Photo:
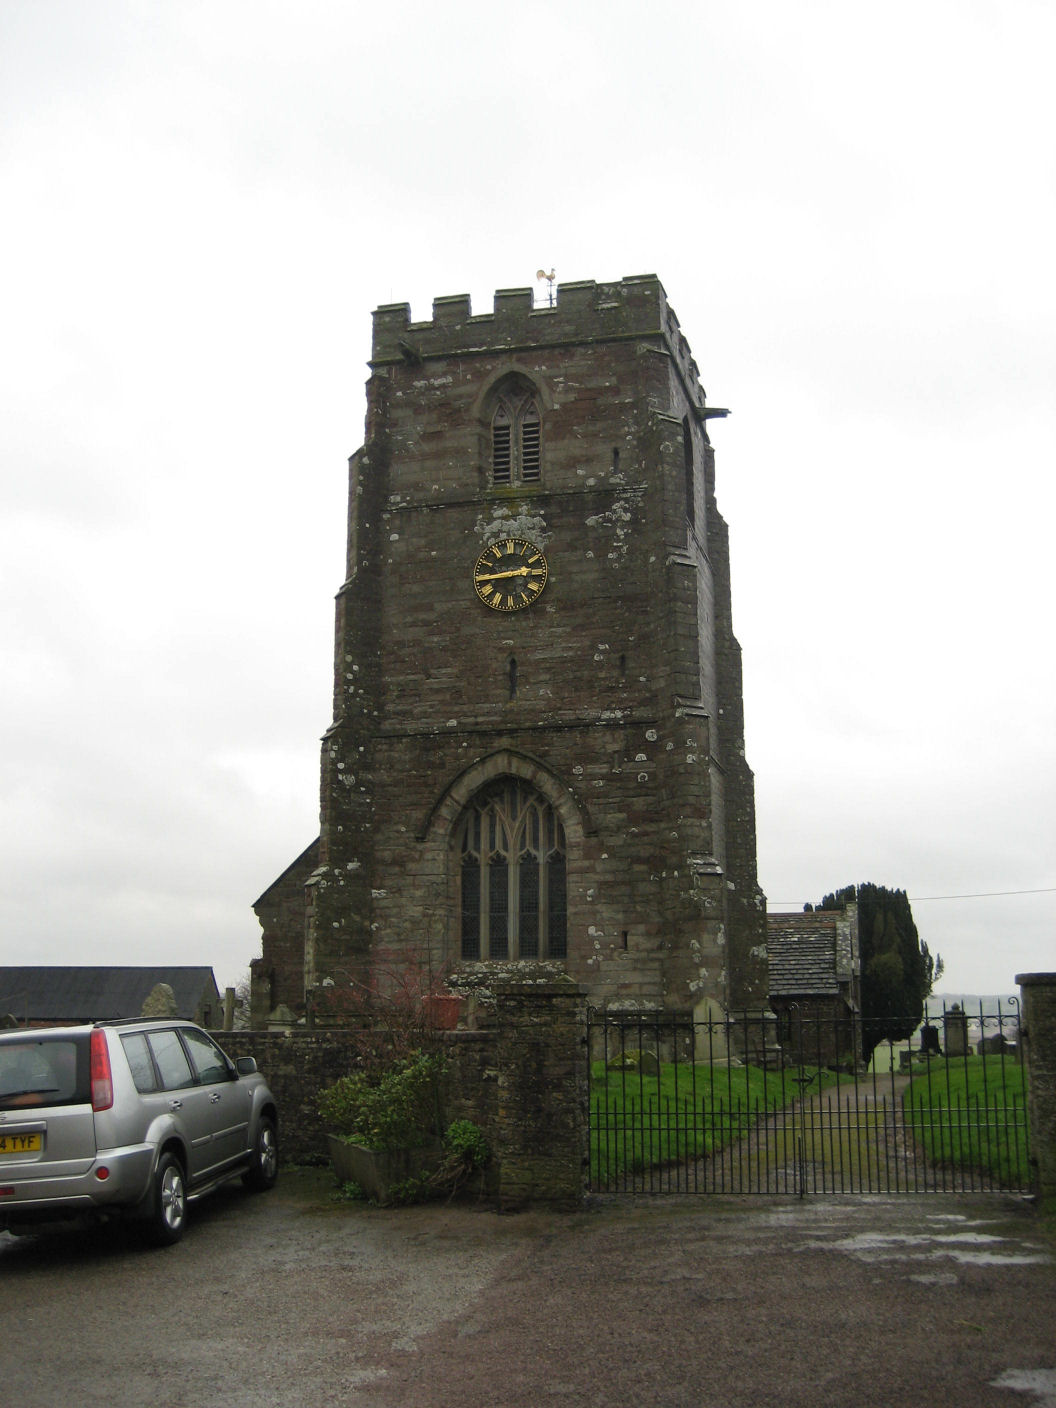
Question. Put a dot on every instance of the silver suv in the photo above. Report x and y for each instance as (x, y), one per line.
(137, 1118)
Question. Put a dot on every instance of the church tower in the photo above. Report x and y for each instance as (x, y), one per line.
(537, 745)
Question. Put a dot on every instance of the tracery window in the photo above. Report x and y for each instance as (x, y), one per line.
(516, 439)
(511, 846)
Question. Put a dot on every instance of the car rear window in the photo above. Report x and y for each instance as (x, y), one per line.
(43, 1070)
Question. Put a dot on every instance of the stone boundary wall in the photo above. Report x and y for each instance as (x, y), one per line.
(522, 1077)
(297, 1065)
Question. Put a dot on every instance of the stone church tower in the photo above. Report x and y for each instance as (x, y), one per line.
(537, 745)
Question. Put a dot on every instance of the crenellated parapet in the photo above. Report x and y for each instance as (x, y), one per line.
(583, 312)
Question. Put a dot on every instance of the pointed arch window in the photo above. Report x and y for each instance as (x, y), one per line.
(516, 439)
(513, 882)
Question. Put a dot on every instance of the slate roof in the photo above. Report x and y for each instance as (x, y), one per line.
(58, 994)
(307, 860)
(802, 953)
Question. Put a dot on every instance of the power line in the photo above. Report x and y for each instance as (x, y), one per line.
(982, 895)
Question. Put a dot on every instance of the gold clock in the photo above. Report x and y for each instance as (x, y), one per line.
(510, 574)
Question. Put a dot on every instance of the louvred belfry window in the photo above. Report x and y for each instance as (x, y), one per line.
(512, 850)
(516, 441)
(501, 445)
(530, 438)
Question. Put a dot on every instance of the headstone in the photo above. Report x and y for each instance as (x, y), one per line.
(159, 1002)
(955, 1031)
(993, 1044)
(282, 1019)
(929, 1040)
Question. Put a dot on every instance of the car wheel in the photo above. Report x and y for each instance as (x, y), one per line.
(264, 1168)
(168, 1209)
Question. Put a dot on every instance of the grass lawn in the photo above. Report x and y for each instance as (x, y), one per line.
(639, 1119)
(971, 1114)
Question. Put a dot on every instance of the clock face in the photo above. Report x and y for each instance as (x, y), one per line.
(510, 574)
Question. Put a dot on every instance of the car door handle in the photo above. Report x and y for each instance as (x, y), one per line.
(214, 1098)
(175, 1104)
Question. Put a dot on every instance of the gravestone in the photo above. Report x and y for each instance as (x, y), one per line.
(159, 1002)
(929, 1040)
(955, 1031)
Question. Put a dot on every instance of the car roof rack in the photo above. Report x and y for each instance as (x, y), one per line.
(134, 1021)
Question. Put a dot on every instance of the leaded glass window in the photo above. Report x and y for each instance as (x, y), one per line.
(513, 883)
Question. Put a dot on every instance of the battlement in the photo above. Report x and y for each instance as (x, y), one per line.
(585, 311)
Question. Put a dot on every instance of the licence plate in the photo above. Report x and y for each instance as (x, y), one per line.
(19, 1144)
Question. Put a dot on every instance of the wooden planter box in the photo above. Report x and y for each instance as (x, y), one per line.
(377, 1170)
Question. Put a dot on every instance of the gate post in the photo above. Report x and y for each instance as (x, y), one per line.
(1039, 1039)
(540, 1129)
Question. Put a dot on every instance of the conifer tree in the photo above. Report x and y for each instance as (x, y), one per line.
(897, 969)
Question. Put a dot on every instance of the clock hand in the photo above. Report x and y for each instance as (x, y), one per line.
(498, 576)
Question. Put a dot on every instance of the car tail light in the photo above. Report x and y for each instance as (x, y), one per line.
(102, 1079)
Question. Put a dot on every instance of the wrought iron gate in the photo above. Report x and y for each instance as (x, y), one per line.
(755, 1106)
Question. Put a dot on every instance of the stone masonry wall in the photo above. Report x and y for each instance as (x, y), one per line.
(297, 1065)
(522, 1079)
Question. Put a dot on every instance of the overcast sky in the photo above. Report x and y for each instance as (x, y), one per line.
(852, 210)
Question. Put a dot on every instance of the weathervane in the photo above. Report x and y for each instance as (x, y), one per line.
(542, 274)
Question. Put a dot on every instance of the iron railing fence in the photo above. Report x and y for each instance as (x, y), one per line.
(755, 1104)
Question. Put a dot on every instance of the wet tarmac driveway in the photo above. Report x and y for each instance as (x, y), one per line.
(293, 1298)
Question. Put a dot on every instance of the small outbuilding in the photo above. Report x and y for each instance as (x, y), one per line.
(815, 984)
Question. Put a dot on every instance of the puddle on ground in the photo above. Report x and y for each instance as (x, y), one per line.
(966, 1248)
(956, 1217)
(1039, 1382)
